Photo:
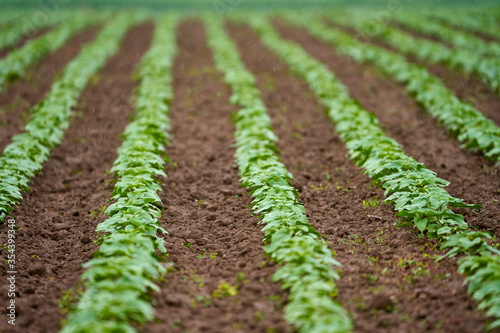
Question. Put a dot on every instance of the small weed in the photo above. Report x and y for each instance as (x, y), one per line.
(69, 299)
(224, 289)
(188, 245)
(404, 263)
(404, 318)
(380, 238)
(277, 301)
(205, 300)
(318, 188)
(374, 202)
(343, 241)
(376, 290)
(372, 260)
(198, 280)
(241, 278)
(203, 255)
(356, 240)
(259, 316)
(359, 302)
(239, 325)
(419, 271)
(177, 323)
(99, 238)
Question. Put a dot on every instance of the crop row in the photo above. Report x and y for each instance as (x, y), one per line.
(416, 192)
(460, 39)
(469, 22)
(24, 26)
(471, 127)
(487, 70)
(307, 262)
(123, 269)
(16, 62)
(22, 158)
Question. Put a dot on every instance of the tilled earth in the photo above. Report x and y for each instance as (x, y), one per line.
(390, 281)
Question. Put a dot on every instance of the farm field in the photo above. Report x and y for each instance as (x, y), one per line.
(240, 169)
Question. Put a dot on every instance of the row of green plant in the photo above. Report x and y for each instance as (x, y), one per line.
(121, 274)
(481, 23)
(415, 191)
(14, 65)
(27, 24)
(22, 158)
(447, 34)
(461, 119)
(307, 263)
(486, 69)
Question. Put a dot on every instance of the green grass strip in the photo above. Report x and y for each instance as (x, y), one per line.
(14, 65)
(28, 23)
(307, 261)
(416, 192)
(472, 128)
(122, 272)
(459, 39)
(487, 70)
(22, 158)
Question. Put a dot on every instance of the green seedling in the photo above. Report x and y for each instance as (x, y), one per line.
(224, 289)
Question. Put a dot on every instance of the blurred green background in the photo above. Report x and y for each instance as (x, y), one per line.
(228, 5)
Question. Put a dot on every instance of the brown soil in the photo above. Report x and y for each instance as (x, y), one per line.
(390, 282)
(207, 212)
(18, 98)
(55, 220)
(473, 178)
